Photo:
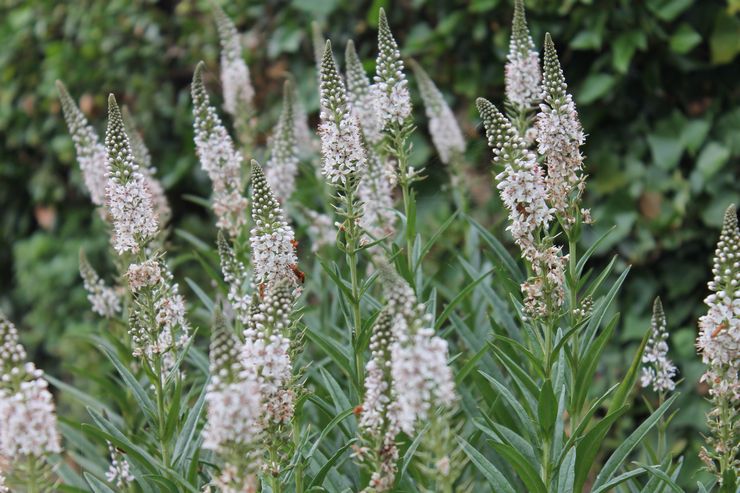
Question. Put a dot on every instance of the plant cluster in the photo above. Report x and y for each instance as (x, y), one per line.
(348, 368)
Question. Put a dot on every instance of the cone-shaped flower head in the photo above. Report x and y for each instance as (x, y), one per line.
(237, 88)
(144, 159)
(266, 350)
(343, 155)
(361, 96)
(443, 127)
(129, 201)
(12, 353)
(719, 329)
(91, 154)
(282, 167)
(104, 300)
(522, 72)
(559, 136)
(28, 423)
(271, 238)
(376, 194)
(521, 184)
(219, 158)
(392, 92)
(657, 369)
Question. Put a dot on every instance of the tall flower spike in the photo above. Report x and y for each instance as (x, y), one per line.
(719, 334)
(522, 71)
(521, 184)
(443, 127)
(129, 201)
(271, 238)
(91, 154)
(144, 158)
(376, 194)
(233, 422)
(559, 136)
(219, 158)
(237, 87)
(104, 300)
(235, 275)
(282, 167)
(657, 369)
(361, 96)
(28, 423)
(392, 92)
(719, 345)
(341, 147)
(378, 422)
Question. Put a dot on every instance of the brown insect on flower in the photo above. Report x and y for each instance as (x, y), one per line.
(719, 329)
(357, 411)
(300, 275)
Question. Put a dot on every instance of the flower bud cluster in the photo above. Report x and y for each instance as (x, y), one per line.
(658, 371)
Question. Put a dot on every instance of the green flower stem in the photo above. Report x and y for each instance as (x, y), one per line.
(398, 149)
(275, 484)
(161, 409)
(298, 473)
(352, 234)
(32, 483)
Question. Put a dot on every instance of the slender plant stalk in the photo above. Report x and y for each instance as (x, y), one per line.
(352, 234)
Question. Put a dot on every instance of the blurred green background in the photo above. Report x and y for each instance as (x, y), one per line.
(655, 82)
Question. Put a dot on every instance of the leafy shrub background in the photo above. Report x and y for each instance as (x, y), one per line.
(655, 82)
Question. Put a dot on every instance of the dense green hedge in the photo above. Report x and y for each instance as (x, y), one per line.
(655, 82)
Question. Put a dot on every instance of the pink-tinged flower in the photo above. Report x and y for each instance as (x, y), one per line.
(282, 167)
(520, 183)
(129, 200)
(719, 329)
(559, 136)
(271, 238)
(391, 87)
(28, 422)
(144, 159)
(219, 158)
(91, 154)
(104, 299)
(362, 97)
(343, 156)
(266, 351)
(446, 134)
(237, 87)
